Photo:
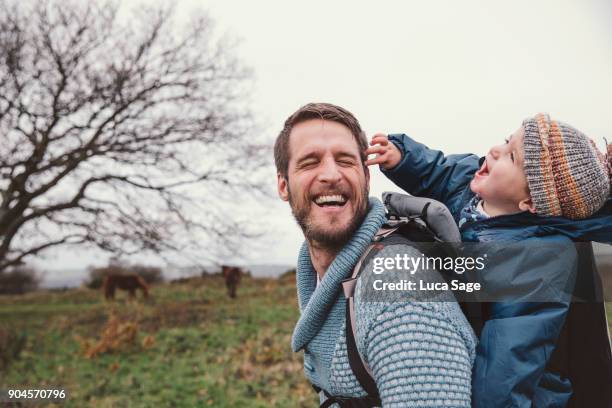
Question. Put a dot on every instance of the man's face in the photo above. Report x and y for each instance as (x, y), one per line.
(327, 184)
(501, 180)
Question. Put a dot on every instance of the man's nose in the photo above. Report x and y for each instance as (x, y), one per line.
(329, 172)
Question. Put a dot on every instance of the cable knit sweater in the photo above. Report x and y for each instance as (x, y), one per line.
(421, 353)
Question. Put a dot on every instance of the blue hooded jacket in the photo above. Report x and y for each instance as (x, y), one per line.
(530, 354)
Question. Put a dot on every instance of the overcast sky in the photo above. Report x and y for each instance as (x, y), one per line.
(459, 76)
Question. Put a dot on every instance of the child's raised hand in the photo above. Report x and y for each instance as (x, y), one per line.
(387, 154)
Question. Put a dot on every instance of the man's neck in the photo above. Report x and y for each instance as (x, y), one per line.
(321, 257)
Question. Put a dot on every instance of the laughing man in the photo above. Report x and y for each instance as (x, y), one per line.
(420, 354)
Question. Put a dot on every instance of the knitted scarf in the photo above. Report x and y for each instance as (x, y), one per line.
(315, 301)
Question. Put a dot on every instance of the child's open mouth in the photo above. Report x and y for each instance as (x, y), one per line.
(484, 170)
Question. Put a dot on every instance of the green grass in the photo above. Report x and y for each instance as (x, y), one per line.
(207, 350)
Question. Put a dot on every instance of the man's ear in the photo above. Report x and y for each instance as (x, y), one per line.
(527, 205)
(283, 187)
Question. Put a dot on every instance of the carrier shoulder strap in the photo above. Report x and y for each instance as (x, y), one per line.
(358, 365)
(432, 213)
(434, 217)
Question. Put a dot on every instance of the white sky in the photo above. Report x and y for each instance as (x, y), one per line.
(457, 75)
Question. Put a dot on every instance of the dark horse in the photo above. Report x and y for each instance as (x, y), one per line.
(231, 274)
(125, 282)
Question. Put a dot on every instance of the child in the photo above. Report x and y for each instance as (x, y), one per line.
(547, 184)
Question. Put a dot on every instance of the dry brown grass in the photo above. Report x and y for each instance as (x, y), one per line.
(116, 335)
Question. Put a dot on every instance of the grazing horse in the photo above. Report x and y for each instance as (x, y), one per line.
(231, 274)
(125, 282)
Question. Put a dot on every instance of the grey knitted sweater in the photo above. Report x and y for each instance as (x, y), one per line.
(421, 353)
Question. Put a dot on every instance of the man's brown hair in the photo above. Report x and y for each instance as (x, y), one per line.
(325, 111)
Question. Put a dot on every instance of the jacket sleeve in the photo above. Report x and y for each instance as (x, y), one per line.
(519, 338)
(419, 357)
(429, 173)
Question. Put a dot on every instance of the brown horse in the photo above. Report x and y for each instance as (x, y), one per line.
(232, 275)
(125, 282)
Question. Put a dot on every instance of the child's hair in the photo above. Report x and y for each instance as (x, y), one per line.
(566, 173)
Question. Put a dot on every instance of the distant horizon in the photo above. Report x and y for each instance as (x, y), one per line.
(75, 277)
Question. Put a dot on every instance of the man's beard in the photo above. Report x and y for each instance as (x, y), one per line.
(333, 240)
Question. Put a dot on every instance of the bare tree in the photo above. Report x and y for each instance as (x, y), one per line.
(121, 131)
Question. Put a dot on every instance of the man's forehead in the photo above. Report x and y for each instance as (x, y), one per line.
(317, 134)
(319, 127)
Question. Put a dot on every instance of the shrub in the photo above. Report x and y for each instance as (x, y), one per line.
(116, 335)
(96, 275)
(150, 274)
(289, 273)
(11, 344)
(19, 280)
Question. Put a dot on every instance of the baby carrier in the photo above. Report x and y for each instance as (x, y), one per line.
(410, 220)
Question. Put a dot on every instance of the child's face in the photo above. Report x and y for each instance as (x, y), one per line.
(501, 181)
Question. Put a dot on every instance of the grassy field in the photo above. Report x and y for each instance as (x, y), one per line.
(190, 345)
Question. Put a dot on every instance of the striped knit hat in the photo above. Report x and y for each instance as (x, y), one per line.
(566, 173)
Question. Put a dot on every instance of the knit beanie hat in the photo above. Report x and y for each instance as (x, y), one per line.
(566, 173)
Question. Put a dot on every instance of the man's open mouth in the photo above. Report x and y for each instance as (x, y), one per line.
(330, 200)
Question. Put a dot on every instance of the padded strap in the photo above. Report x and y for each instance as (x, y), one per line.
(360, 369)
(358, 365)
